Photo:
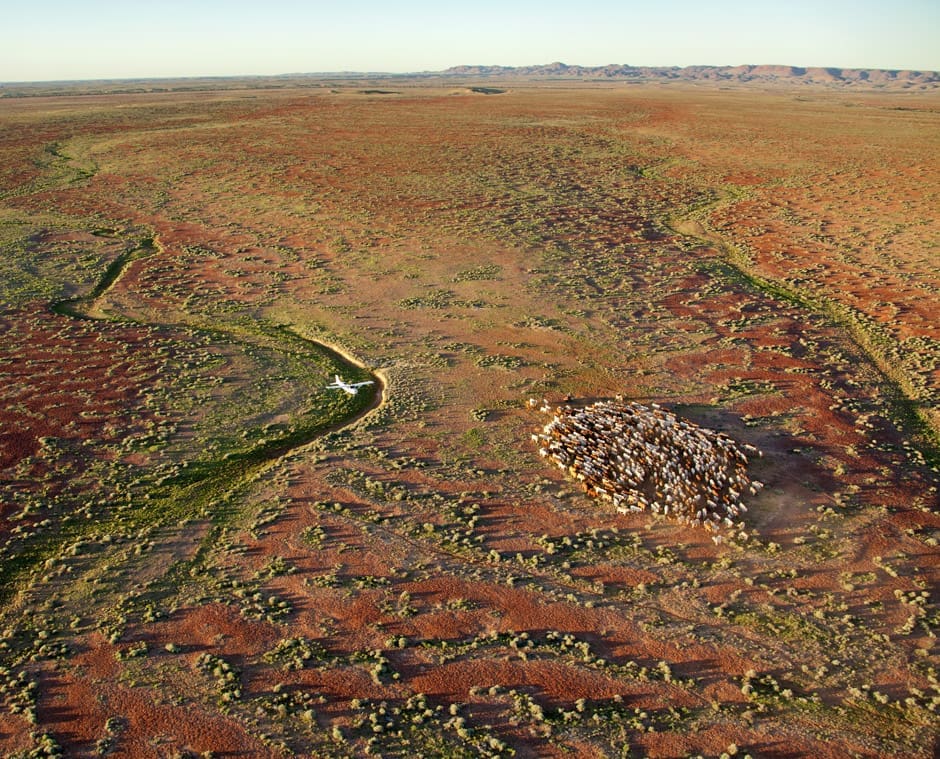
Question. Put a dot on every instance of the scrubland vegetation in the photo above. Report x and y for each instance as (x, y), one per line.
(204, 551)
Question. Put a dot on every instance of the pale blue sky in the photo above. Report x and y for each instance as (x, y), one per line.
(91, 39)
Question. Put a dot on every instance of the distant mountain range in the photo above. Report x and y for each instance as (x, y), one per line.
(727, 76)
(732, 74)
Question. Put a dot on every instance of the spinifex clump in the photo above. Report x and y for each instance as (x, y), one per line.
(641, 457)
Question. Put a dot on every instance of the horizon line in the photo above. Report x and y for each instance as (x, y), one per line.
(449, 69)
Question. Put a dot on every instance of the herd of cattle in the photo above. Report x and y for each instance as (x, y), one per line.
(644, 457)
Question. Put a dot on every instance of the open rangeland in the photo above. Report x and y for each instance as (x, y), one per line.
(205, 551)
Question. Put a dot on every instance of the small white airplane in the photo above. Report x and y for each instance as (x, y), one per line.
(351, 388)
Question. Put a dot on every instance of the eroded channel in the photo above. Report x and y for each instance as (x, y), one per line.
(202, 486)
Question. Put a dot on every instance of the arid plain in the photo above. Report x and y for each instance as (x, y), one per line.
(207, 552)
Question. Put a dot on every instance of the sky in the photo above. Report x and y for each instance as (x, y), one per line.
(44, 40)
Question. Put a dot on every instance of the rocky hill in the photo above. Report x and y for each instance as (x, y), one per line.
(789, 75)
